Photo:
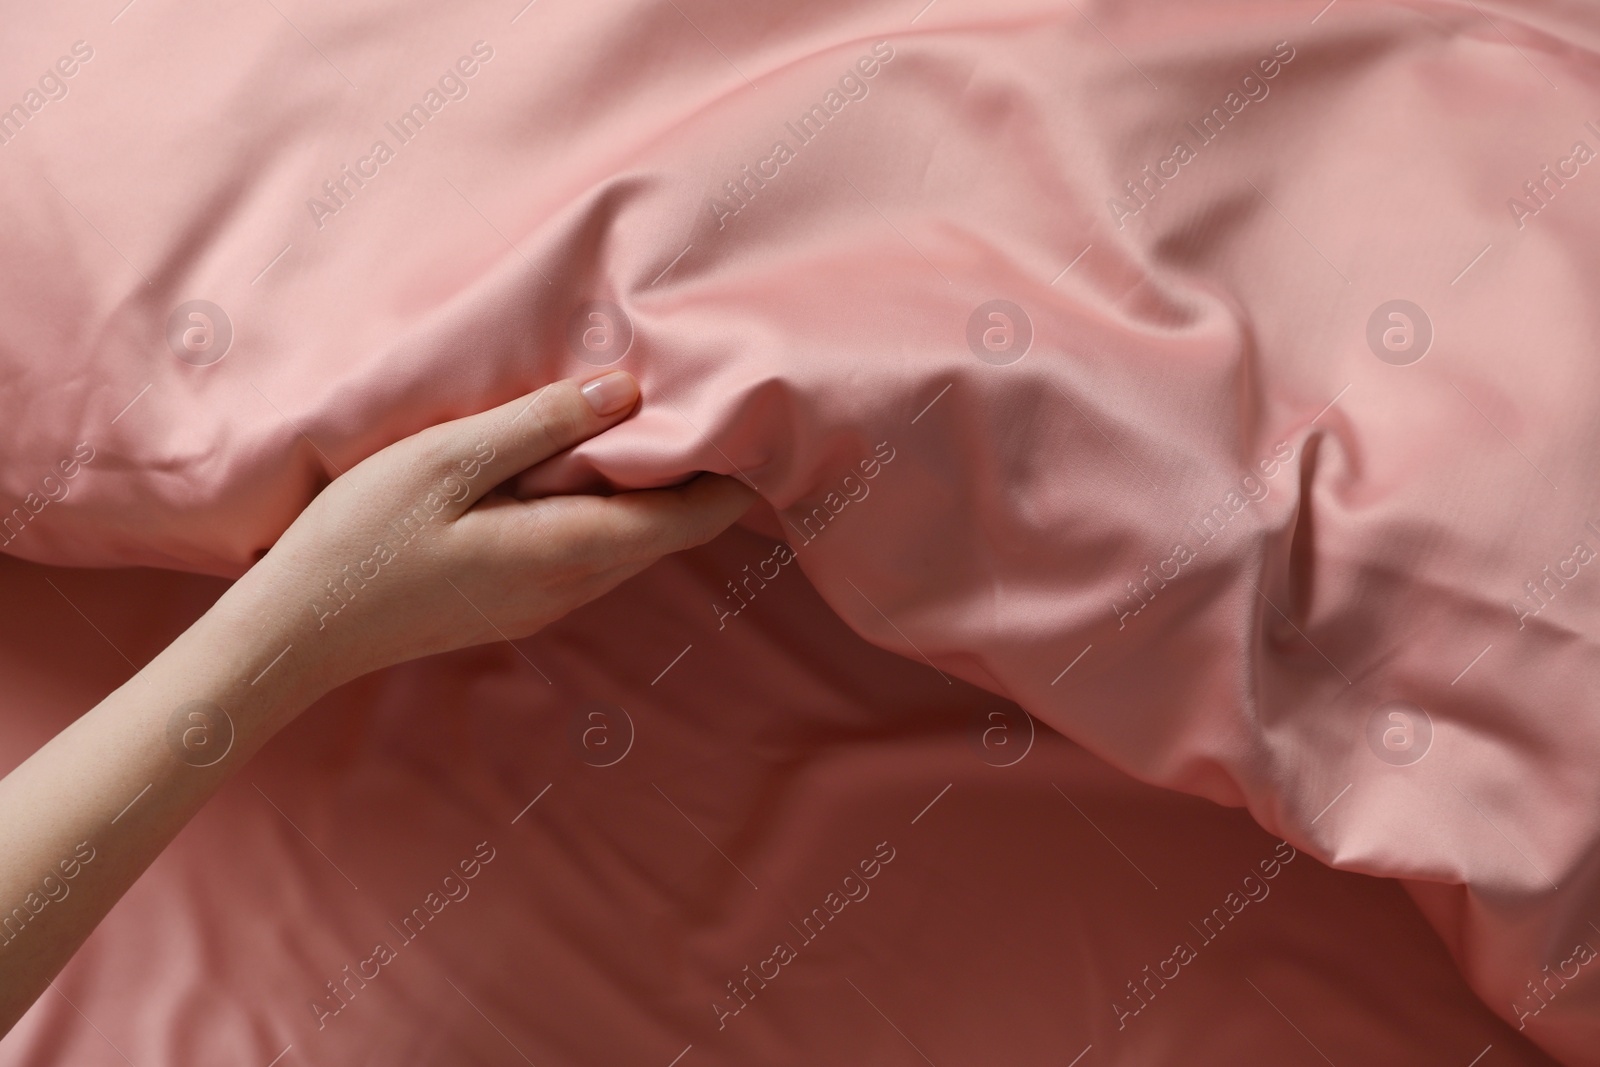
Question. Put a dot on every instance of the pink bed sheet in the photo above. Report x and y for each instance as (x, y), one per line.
(1213, 380)
(668, 850)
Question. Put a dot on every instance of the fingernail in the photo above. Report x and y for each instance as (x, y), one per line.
(610, 393)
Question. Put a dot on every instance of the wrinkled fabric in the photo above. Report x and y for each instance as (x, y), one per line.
(652, 844)
(1268, 480)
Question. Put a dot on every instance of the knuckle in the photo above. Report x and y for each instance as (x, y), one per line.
(557, 414)
(430, 452)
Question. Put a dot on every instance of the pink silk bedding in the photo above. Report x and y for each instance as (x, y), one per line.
(1213, 380)
(1027, 885)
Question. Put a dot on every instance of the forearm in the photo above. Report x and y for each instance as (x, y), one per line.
(83, 816)
(407, 554)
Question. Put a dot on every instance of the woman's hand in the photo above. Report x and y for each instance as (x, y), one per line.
(411, 552)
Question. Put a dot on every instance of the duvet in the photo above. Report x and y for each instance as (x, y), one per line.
(1209, 387)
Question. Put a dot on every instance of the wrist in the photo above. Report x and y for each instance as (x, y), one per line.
(275, 664)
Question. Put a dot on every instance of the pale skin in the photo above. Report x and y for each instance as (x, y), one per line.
(471, 567)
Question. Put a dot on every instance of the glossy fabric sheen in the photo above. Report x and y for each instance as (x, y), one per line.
(631, 882)
(1219, 525)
